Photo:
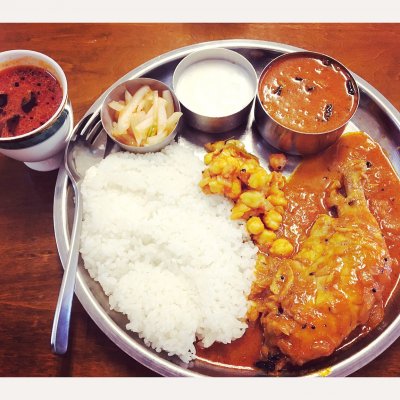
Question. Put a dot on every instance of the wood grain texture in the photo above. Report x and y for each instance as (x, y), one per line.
(93, 56)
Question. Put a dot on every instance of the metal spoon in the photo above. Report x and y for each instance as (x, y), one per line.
(89, 144)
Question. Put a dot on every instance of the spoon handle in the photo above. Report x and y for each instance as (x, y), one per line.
(62, 316)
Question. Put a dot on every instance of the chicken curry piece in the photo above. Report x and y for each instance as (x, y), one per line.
(311, 302)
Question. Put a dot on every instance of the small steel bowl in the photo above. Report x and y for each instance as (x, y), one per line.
(118, 93)
(292, 141)
(223, 123)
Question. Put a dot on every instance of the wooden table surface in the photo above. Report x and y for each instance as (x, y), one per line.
(93, 56)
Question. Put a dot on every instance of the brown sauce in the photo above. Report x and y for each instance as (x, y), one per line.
(242, 353)
(305, 192)
(308, 94)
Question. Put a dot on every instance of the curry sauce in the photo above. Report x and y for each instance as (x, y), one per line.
(307, 94)
(306, 192)
(29, 97)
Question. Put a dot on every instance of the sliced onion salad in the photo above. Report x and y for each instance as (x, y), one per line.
(144, 118)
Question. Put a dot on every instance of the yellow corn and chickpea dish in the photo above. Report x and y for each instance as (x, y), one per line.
(259, 199)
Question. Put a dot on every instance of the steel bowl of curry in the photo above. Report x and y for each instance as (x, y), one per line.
(304, 102)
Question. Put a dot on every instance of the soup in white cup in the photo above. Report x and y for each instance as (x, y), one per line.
(35, 115)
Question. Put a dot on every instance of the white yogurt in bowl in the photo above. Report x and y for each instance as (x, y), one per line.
(216, 88)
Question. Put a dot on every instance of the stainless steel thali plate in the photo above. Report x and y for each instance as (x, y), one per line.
(375, 115)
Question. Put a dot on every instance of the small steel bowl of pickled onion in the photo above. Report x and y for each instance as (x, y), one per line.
(141, 115)
(216, 88)
(304, 102)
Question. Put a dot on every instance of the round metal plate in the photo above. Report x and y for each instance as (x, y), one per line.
(375, 115)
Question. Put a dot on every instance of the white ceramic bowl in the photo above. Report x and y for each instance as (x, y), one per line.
(41, 149)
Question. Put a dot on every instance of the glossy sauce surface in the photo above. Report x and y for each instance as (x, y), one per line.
(307, 94)
(29, 96)
(306, 191)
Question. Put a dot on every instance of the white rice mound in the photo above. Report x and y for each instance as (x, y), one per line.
(167, 255)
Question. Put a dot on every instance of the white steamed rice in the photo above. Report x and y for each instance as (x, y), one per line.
(167, 255)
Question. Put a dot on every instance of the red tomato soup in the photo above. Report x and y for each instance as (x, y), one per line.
(29, 96)
(308, 94)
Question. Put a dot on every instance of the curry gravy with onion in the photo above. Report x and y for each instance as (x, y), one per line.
(306, 191)
(307, 94)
